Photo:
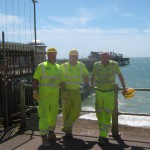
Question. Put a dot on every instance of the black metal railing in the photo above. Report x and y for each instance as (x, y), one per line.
(116, 113)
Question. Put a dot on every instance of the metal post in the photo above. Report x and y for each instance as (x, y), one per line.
(22, 104)
(3, 42)
(5, 81)
(35, 44)
(115, 128)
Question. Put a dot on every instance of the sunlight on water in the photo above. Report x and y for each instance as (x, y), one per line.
(137, 121)
(136, 105)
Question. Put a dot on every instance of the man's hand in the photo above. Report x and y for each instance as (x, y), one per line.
(35, 95)
(91, 86)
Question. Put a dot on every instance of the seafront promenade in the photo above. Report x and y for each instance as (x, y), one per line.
(85, 138)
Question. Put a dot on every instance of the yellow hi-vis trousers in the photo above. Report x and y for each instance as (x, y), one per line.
(71, 109)
(48, 110)
(104, 105)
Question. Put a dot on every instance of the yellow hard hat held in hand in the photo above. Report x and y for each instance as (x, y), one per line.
(128, 93)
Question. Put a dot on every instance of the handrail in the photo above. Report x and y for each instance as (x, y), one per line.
(116, 113)
(134, 114)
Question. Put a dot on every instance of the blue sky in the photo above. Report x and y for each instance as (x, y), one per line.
(122, 26)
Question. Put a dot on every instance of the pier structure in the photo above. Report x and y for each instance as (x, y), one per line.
(95, 56)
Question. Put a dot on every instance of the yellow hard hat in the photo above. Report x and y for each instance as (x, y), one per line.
(129, 93)
(74, 52)
(52, 50)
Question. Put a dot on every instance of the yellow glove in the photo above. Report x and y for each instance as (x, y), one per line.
(35, 95)
(128, 93)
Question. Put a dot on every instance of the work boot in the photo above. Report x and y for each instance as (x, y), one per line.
(103, 141)
(63, 130)
(51, 135)
(45, 142)
(68, 134)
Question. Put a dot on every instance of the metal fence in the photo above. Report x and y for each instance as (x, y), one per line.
(16, 64)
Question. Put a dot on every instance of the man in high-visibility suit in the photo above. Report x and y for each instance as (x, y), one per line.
(103, 75)
(46, 82)
(74, 73)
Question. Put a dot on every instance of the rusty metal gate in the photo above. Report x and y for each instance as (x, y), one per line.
(16, 63)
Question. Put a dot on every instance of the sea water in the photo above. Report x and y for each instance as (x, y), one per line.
(136, 75)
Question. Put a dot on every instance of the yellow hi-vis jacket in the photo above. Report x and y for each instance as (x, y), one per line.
(48, 75)
(105, 75)
(73, 75)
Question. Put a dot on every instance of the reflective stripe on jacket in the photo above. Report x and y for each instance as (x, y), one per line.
(105, 75)
(73, 74)
(50, 77)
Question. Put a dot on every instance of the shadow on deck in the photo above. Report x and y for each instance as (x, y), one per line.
(85, 138)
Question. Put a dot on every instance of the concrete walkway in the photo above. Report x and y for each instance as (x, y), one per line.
(85, 138)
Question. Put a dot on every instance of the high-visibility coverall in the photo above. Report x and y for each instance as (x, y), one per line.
(72, 106)
(49, 77)
(104, 104)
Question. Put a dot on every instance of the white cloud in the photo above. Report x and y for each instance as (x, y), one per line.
(73, 21)
(9, 20)
(91, 31)
(81, 17)
(127, 15)
(16, 28)
(84, 12)
(146, 30)
(129, 42)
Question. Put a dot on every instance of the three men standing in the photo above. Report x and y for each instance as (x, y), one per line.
(49, 76)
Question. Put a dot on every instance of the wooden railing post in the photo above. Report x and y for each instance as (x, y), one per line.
(22, 104)
(115, 127)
